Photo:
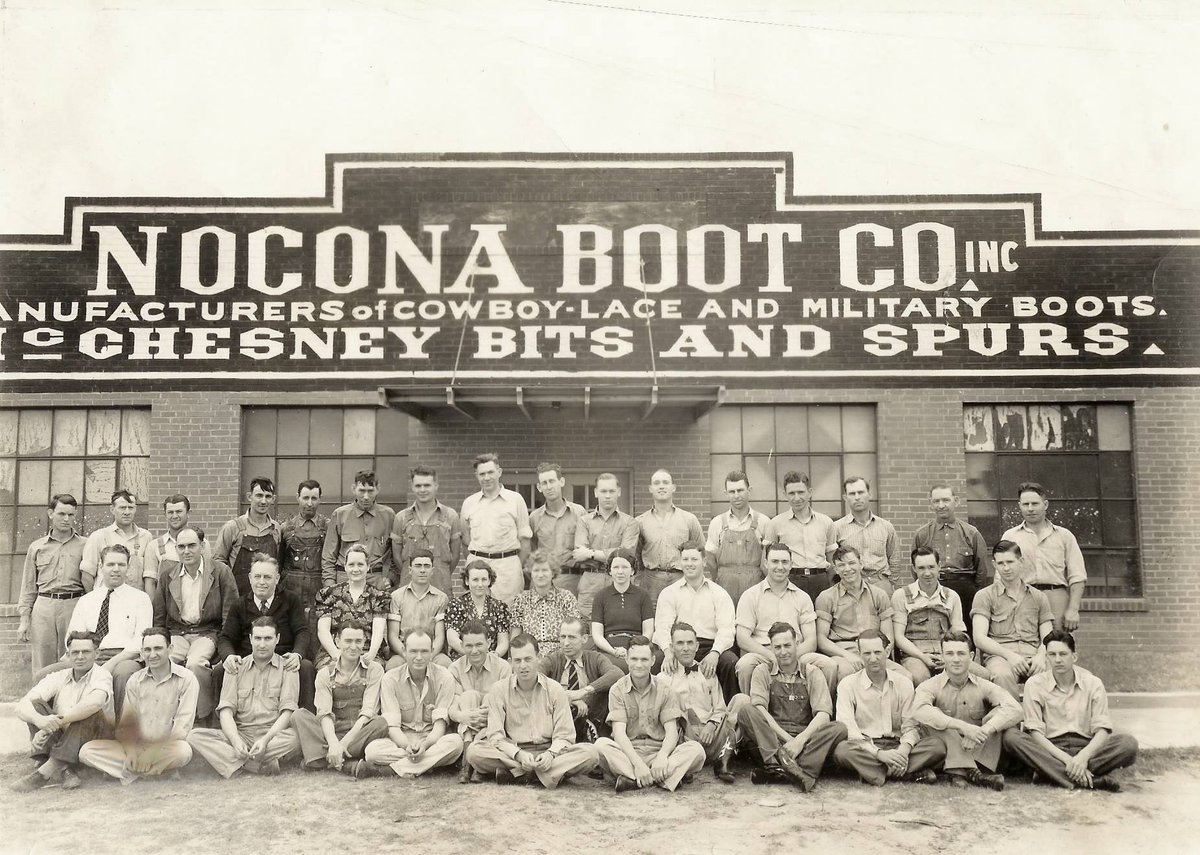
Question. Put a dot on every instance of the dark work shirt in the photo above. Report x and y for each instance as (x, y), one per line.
(622, 612)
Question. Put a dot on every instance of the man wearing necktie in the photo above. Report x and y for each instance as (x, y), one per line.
(587, 675)
(116, 613)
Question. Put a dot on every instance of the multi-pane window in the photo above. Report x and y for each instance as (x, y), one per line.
(327, 444)
(1082, 454)
(828, 442)
(88, 453)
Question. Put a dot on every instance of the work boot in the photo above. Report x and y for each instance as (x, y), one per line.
(625, 784)
(721, 768)
(1105, 783)
(987, 780)
(768, 775)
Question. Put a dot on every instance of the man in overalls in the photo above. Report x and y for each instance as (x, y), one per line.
(734, 547)
(347, 703)
(788, 716)
(302, 536)
(921, 614)
(254, 531)
(427, 524)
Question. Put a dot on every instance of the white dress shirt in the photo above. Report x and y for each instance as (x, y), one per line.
(129, 612)
(709, 610)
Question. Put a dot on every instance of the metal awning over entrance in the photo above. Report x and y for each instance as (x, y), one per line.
(640, 400)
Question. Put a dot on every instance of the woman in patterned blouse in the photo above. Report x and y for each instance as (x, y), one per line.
(541, 610)
(477, 604)
(352, 600)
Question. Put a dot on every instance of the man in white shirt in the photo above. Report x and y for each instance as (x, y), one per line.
(705, 605)
(772, 600)
(116, 613)
(496, 525)
(123, 531)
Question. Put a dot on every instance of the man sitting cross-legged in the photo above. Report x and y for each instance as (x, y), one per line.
(255, 708)
(158, 712)
(529, 732)
(64, 711)
(788, 715)
(347, 702)
(875, 705)
(475, 672)
(967, 714)
(1068, 737)
(645, 749)
(415, 699)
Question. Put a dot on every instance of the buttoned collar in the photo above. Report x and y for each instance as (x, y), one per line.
(865, 682)
(854, 521)
(616, 512)
(411, 590)
(765, 585)
(539, 681)
(939, 594)
(801, 670)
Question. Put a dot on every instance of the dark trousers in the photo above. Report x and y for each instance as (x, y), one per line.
(926, 754)
(726, 666)
(1119, 751)
(962, 584)
(64, 746)
(812, 758)
(312, 738)
(811, 584)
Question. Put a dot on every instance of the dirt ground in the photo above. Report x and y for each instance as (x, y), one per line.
(325, 812)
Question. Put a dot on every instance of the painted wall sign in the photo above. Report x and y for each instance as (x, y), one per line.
(432, 267)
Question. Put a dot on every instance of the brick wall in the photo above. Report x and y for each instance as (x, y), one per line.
(195, 447)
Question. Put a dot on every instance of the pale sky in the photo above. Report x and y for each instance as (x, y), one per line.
(1095, 106)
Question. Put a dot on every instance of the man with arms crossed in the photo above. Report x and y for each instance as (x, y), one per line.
(529, 732)
(347, 702)
(788, 717)
(646, 748)
(255, 709)
(1008, 620)
(967, 715)
(1068, 737)
(156, 717)
(65, 710)
(495, 523)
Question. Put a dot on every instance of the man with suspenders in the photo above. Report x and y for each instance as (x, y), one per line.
(254, 531)
(734, 547)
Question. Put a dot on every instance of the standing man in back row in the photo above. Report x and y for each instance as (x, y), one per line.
(253, 532)
(554, 525)
(665, 528)
(962, 552)
(302, 539)
(733, 553)
(51, 584)
(123, 531)
(366, 523)
(806, 532)
(871, 536)
(496, 524)
(427, 524)
(1052, 554)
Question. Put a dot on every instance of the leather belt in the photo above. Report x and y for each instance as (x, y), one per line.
(72, 596)
(809, 571)
(495, 556)
(1041, 586)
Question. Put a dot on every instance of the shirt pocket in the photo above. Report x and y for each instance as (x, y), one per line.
(1003, 619)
